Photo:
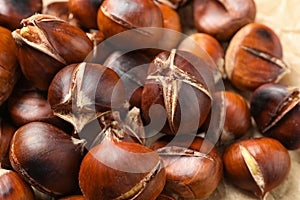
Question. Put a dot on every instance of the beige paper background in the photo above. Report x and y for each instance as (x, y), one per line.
(283, 16)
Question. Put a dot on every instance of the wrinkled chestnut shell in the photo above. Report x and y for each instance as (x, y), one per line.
(276, 109)
(222, 19)
(271, 156)
(47, 158)
(254, 57)
(12, 12)
(13, 187)
(7, 131)
(125, 169)
(188, 176)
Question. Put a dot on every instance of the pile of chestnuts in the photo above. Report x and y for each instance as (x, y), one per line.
(108, 99)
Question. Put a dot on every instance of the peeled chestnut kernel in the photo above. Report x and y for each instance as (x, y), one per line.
(46, 44)
(257, 165)
(13, 187)
(193, 166)
(7, 131)
(12, 11)
(276, 110)
(222, 19)
(9, 67)
(174, 4)
(85, 11)
(254, 57)
(47, 158)
(115, 169)
(177, 92)
(116, 16)
(79, 93)
(207, 48)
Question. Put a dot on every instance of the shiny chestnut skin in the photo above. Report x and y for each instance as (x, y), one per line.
(276, 109)
(182, 84)
(116, 16)
(174, 4)
(12, 11)
(7, 131)
(131, 171)
(222, 19)
(257, 165)
(47, 158)
(85, 11)
(193, 166)
(12, 186)
(9, 67)
(254, 57)
(46, 44)
(79, 93)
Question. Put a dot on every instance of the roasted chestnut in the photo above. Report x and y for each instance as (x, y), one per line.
(222, 19)
(79, 93)
(257, 165)
(193, 166)
(12, 11)
(7, 131)
(46, 44)
(47, 158)
(177, 92)
(13, 187)
(9, 67)
(276, 110)
(254, 57)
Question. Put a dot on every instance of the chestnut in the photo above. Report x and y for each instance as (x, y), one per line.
(74, 197)
(257, 165)
(46, 44)
(174, 4)
(254, 57)
(193, 166)
(13, 187)
(47, 158)
(222, 19)
(178, 92)
(9, 67)
(276, 109)
(7, 131)
(131, 171)
(116, 16)
(12, 12)
(85, 11)
(80, 92)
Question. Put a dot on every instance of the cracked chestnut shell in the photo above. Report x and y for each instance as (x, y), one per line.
(79, 93)
(254, 57)
(223, 18)
(46, 44)
(193, 166)
(131, 171)
(257, 165)
(47, 158)
(177, 93)
(276, 110)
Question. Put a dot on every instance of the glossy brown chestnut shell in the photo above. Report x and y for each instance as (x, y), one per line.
(254, 57)
(276, 110)
(222, 19)
(174, 4)
(46, 44)
(47, 158)
(257, 165)
(181, 83)
(193, 166)
(7, 131)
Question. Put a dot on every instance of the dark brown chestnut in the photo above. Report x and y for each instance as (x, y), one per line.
(12, 11)
(193, 166)
(9, 67)
(276, 110)
(254, 57)
(74, 197)
(13, 187)
(174, 4)
(7, 131)
(79, 93)
(47, 158)
(222, 19)
(177, 92)
(46, 44)
(257, 165)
